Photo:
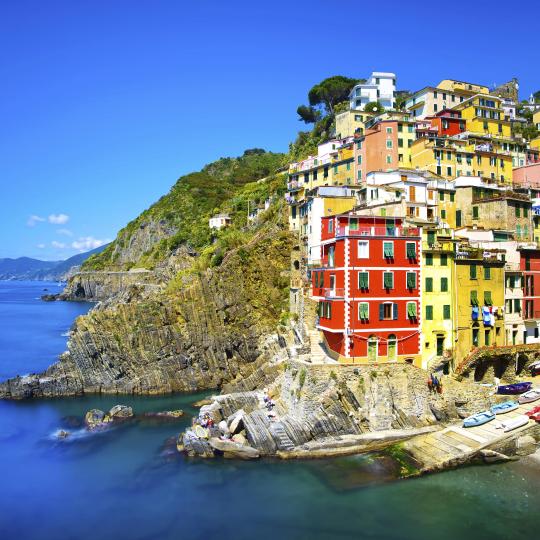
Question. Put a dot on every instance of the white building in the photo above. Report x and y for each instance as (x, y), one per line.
(379, 87)
(219, 221)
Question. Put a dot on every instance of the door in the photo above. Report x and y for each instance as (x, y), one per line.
(333, 285)
(372, 349)
(458, 218)
(440, 345)
(392, 347)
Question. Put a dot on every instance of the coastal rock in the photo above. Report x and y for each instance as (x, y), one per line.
(233, 449)
(165, 415)
(94, 418)
(120, 412)
(236, 423)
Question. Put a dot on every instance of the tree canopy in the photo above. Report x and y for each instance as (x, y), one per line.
(374, 107)
(331, 91)
(308, 114)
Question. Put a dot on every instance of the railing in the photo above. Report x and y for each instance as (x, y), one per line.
(512, 267)
(476, 254)
(501, 195)
(334, 293)
(293, 185)
(379, 231)
(438, 246)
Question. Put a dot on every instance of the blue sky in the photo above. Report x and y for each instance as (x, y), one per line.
(103, 105)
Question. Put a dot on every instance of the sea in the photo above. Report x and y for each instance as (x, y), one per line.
(129, 482)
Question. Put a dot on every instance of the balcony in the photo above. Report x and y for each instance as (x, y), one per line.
(334, 293)
(438, 246)
(392, 232)
(469, 253)
(294, 185)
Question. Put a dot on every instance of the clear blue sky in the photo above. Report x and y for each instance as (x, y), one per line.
(104, 104)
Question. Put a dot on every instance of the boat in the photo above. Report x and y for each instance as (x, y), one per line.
(535, 410)
(530, 396)
(515, 423)
(535, 416)
(505, 407)
(514, 389)
(478, 419)
(534, 369)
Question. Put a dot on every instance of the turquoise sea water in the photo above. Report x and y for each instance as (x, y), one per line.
(129, 483)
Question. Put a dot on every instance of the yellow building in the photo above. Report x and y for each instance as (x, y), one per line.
(484, 115)
(451, 157)
(350, 122)
(535, 143)
(462, 87)
(446, 202)
(478, 288)
(438, 310)
(536, 119)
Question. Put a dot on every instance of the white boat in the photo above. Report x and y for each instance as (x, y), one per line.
(515, 423)
(530, 396)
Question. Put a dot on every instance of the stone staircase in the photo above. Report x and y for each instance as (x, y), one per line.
(282, 440)
(317, 353)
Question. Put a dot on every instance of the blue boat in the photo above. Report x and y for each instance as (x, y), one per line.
(513, 389)
(505, 407)
(478, 419)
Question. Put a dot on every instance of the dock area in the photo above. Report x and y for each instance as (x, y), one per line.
(456, 445)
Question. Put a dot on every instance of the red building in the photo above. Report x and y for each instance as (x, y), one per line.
(446, 123)
(368, 288)
(530, 266)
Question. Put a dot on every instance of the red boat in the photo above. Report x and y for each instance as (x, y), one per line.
(535, 417)
(533, 412)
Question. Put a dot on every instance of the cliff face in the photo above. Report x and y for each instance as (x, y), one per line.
(203, 330)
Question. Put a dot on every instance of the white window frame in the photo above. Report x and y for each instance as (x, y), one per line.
(366, 243)
(393, 279)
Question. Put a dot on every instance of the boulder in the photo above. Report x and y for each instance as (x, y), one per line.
(213, 411)
(94, 418)
(223, 427)
(240, 439)
(190, 444)
(201, 403)
(120, 412)
(236, 422)
(164, 415)
(233, 449)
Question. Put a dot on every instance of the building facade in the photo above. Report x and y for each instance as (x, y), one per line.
(380, 87)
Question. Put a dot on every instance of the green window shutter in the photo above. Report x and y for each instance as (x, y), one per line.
(411, 310)
(381, 312)
(474, 298)
(364, 311)
(429, 259)
(444, 259)
(475, 212)
(517, 306)
(411, 280)
(444, 284)
(429, 284)
(388, 280)
(446, 311)
(487, 272)
(429, 313)
(472, 271)
(395, 311)
(388, 248)
(452, 196)
(363, 280)
(487, 298)
(411, 250)
(430, 238)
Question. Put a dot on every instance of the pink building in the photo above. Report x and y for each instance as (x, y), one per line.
(529, 175)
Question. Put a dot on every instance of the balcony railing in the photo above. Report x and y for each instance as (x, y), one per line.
(392, 232)
(438, 246)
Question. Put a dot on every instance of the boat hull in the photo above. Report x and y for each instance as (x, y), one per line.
(478, 419)
(529, 397)
(514, 389)
(502, 408)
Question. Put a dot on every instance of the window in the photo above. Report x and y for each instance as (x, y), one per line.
(517, 306)
(429, 259)
(411, 250)
(449, 171)
(359, 160)
(389, 143)
(474, 298)
(452, 196)
(411, 280)
(472, 271)
(525, 211)
(487, 334)
(363, 280)
(331, 256)
(363, 249)
(389, 160)
(363, 311)
(444, 284)
(458, 218)
(388, 130)
(429, 313)
(518, 211)
(441, 195)
(348, 166)
(487, 272)
(330, 226)
(475, 212)
(487, 298)
(388, 311)
(429, 284)
(443, 214)
(411, 310)
(400, 127)
(444, 259)
(446, 312)
(353, 224)
(388, 250)
(400, 143)
(388, 280)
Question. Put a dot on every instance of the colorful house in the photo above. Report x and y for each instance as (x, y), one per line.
(381, 87)
(530, 266)
(479, 299)
(351, 122)
(368, 289)
(484, 115)
(438, 309)
(386, 144)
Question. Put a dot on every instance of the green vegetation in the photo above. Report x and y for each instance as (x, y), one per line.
(227, 185)
(374, 107)
(405, 462)
(302, 378)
